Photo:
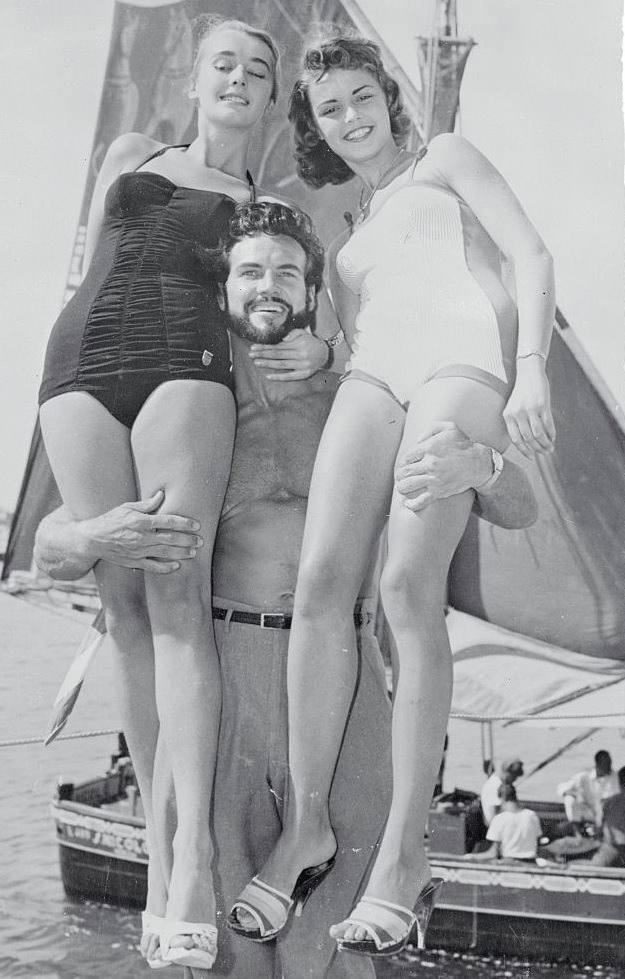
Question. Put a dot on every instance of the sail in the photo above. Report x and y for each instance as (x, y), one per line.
(560, 582)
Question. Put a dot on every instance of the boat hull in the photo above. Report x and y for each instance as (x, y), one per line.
(529, 911)
(552, 911)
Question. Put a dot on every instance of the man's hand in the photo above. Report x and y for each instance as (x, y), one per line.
(443, 463)
(134, 535)
(298, 356)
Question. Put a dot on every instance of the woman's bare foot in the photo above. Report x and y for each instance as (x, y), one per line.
(289, 858)
(399, 882)
(191, 895)
(154, 910)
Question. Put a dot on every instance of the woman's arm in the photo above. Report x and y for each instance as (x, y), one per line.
(528, 412)
(125, 153)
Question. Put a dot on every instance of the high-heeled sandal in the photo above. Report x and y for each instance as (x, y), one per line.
(204, 951)
(271, 908)
(151, 925)
(390, 925)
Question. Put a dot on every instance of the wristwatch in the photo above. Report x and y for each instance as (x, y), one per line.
(497, 460)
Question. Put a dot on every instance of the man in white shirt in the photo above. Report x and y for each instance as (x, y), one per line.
(585, 792)
(506, 773)
(514, 831)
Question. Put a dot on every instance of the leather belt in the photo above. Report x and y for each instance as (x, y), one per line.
(274, 620)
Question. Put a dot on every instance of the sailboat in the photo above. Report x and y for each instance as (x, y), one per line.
(553, 594)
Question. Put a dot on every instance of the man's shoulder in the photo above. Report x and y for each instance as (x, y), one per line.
(615, 803)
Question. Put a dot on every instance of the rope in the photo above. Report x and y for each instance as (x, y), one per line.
(64, 737)
(535, 717)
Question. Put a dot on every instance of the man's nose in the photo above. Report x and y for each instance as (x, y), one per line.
(267, 281)
(237, 76)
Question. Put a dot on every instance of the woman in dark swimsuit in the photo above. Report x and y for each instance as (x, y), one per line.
(137, 396)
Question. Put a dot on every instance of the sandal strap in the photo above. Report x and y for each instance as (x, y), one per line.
(385, 922)
(207, 934)
(268, 906)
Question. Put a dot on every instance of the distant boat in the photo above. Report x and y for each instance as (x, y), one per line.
(504, 907)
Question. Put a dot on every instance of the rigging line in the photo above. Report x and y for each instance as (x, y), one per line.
(18, 742)
(536, 717)
(570, 744)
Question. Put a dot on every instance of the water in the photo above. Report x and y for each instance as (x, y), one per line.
(45, 936)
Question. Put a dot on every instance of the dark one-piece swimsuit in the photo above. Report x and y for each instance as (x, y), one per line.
(147, 310)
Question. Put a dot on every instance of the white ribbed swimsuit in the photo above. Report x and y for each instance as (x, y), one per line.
(431, 297)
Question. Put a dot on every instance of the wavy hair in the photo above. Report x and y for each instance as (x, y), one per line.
(317, 164)
(256, 218)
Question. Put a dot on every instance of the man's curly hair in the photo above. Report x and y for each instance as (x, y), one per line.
(317, 164)
(271, 218)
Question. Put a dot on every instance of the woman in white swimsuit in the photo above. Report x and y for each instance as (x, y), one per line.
(435, 337)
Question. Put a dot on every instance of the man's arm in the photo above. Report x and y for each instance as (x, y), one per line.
(491, 854)
(132, 535)
(445, 462)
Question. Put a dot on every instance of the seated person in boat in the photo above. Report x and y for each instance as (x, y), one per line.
(513, 832)
(611, 853)
(254, 572)
(586, 791)
(506, 773)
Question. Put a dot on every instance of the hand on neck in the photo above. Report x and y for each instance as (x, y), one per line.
(252, 383)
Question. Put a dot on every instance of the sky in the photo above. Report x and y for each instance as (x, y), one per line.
(542, 97)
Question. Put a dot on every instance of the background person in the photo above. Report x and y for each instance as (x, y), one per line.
(585, 792)
(513, 832)
(507, 773)
(611, 853)
(419, 312)
(254, 569)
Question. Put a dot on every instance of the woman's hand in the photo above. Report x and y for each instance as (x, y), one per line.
(527, 414)
(298, 356)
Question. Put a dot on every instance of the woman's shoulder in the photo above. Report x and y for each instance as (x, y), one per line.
(129, 150)
(449, 152)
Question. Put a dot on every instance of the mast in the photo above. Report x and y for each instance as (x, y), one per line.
(442, 57)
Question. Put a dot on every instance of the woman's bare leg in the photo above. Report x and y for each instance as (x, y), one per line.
(182, 442)
(90, 455)
(413, 588)
(347, 509)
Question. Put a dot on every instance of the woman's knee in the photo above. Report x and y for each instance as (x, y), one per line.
(410, 589)
(181, 597)
(323, 586)
(126, 615)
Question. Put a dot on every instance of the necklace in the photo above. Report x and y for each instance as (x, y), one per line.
(363, 205)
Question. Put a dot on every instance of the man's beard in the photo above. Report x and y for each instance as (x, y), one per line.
(271, 333)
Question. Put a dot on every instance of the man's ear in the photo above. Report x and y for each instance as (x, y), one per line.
(222, 300)
(311, 299)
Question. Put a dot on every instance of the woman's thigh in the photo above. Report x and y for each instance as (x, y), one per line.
(91, 459)
(182, 443)
(89, 452)
(352, 480)
(426, 540)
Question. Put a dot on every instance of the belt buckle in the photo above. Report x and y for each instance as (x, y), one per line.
(266, 616)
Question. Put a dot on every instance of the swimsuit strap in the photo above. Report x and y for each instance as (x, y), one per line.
(163, 149)
(250, 181)
(184, 146)
(420, 154)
